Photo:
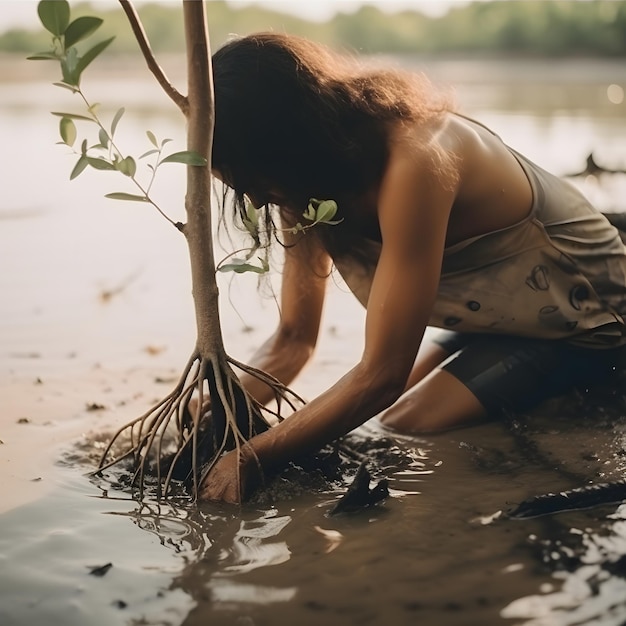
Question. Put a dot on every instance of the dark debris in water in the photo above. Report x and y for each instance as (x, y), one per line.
(100, 570)
(337, 467)
(359, 495)
(585, 497)
(94, 406)
(333, 468)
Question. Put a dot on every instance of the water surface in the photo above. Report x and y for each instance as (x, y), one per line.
(97, 321)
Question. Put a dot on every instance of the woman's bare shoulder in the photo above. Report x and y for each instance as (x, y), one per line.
(493, 189)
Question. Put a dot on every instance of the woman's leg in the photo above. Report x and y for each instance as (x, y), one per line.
(434, 399)
(491, 373)
(430, 356)
(438, 402)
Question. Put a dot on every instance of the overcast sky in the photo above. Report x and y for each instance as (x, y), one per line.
(24, 12)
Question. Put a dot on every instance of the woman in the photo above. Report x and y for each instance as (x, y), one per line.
(441, 224)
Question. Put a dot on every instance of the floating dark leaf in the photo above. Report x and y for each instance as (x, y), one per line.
(359, 495)
(100, 570)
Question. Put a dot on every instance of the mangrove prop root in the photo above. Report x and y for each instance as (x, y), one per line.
(170, 442)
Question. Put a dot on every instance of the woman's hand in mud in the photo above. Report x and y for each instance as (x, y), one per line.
(192, 408)
(225, 484)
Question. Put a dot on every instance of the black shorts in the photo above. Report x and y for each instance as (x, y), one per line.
(516, 373)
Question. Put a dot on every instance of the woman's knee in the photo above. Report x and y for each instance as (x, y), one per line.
(439, 402)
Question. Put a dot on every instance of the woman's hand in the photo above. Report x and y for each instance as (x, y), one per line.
(224, 483)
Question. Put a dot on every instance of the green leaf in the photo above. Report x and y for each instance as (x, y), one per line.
(251, 213)
(81, 28)
(265, 265)
(239, 266)
(152, 138)
(103, 137)
(73, 116)
(54, 15)
(326, 211)
(187, 157)
(145, 154)
(100, 164)
(91, 54)
(43, 56)
(69, 67)
(67, 129)
(120, 195)
(309, 214)
(252, 228)
(81, 164)
(116, 120)
(127, 166)
(251, 222)
(83, 147)
(66, 86)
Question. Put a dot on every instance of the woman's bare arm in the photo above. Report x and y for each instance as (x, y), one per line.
(287, 351)
(414, 206)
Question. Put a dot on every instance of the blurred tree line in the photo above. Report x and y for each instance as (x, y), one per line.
(513, 27)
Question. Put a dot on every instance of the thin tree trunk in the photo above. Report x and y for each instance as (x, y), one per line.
(200, 120)
(235, 416)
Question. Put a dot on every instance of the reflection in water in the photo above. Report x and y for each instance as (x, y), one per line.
(592, 567)
(230, 555)
(229, 592)
(188, 529)
(251, 550)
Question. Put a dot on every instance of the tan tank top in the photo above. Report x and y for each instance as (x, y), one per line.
(558, 274)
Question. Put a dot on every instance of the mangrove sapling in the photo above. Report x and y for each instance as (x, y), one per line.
(209, 374)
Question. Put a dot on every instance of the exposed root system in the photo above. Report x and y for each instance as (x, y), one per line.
(177, 440)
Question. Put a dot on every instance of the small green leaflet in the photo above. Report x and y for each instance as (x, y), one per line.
(120, 195)
(239, 266)
(116, 120)
(187, 157)
(80, 166)
(67, 130)
(44, 56)
(91, 54)
(127, 166)
(73, 116)
(326, 211)
(321, 211)
(54, 15)
(79, 29)
(100, 164)
(152, 138)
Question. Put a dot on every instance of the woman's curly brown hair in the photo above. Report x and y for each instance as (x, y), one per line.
(294, 116)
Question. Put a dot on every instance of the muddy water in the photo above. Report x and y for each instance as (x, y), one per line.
(97, 322)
